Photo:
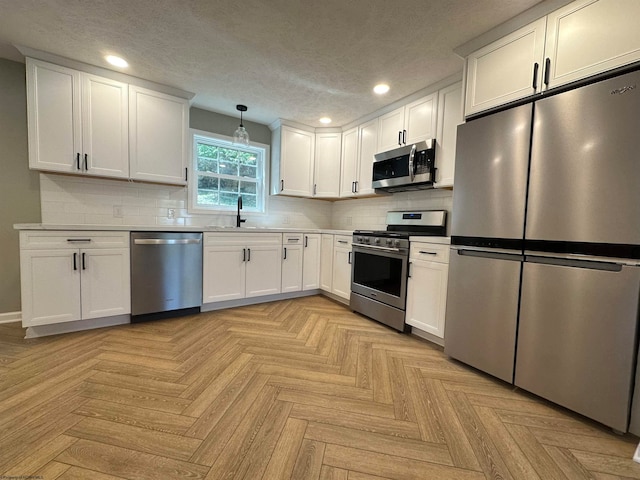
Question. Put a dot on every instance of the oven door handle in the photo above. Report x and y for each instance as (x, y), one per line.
(373, 247)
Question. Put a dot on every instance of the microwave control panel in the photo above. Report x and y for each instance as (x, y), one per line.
(424, 161)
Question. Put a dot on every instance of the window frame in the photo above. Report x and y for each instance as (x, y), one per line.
(262, 187)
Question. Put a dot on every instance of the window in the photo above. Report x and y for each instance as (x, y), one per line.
(223, 171)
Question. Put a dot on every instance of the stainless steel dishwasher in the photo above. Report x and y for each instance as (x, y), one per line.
(166, 274)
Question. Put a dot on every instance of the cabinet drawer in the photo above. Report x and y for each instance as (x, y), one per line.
(243, 239)
(342, 241)
(292, 238)
(432, 252)
(34, 240)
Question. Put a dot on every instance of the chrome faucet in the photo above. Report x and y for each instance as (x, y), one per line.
(238, 219)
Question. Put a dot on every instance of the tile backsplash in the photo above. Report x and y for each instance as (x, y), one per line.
(94, 201)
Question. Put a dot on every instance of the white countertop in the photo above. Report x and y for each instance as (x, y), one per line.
(174, 228)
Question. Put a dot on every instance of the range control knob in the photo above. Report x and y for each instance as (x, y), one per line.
(396, 243)
(389, 242)
(377, 241)
(359, 239)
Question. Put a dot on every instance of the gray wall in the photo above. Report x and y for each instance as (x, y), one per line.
(19, 186)
(225, 125)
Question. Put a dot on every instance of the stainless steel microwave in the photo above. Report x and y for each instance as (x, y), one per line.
(406, 168)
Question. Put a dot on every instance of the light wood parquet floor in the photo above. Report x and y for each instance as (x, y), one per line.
(299, 389)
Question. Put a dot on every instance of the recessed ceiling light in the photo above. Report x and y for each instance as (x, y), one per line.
(381, 88)
(325, 120)
(116, 61)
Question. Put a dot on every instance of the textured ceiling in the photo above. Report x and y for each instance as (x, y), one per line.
(292, 59)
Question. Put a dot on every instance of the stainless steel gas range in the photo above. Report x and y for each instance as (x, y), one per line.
(381, 262)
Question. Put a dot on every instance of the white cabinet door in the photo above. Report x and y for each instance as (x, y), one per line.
(296, 162)
(326, 262)
(264, 270)
(342, 272)
(105, 282)
(53, 109)
(505, 70)
(391, 126)
(327, 165)
(292, 265)
(50, 286)
(591, 36)
(427, 296)
(420, 119)
(311, 262)
(158, 131)
(349, 166)
(449, 117)
(223, 276)
(105, 132)
(367, 148)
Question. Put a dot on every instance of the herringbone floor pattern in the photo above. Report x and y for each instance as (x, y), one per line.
(300, 389)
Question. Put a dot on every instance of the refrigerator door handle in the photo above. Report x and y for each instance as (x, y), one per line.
(495, 254)
(567, 261)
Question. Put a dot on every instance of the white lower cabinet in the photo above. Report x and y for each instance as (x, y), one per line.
(292, 262)
(69, 276)
(326, 261)
(427, 287)
(341, 280)
(239, 266)
(311, 262)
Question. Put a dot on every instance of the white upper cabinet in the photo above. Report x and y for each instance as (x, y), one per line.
(449, 117)
(581, 39)
(358, 148)
(293, 161)
(327, 165)
(158, 136)
(506, 70)
(409, 124)
(591, 36)
(78, 123)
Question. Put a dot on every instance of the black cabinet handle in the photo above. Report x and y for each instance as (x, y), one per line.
(315, 188)
(78, 161)
(356, 187)
(281, 185)
(84, 266)
(75, 261)
(244, 254)
(285, 253)
(186, 174)
(535, 75)
(399, 137)
(86, 164)
(349, 260)
(547, 71)
(427, 253)
(409, 270)
(248, 254)
(306, 241)
(404, 137)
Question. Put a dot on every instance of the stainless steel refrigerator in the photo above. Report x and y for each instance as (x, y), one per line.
(544, 279)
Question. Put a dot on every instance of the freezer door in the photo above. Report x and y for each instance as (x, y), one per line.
(584, 165)
(482, 310)
(492, 159)
(577, 336)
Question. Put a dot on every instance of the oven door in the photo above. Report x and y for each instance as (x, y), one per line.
(380, 273)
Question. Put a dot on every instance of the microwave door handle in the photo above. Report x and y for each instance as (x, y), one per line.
(412, 172)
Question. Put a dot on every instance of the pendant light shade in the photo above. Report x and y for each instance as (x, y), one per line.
(241, 136)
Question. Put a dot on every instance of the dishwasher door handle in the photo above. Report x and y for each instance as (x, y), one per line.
(166, 241)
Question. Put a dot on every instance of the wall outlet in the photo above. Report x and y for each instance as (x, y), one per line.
(285, 220)
(117, 211)
(348, 220)
(171, 213)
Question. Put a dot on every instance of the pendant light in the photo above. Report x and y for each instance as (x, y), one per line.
(241, 136)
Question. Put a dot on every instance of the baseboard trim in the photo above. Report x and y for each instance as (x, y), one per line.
(80, 325)
(10, 317)
(336, 298)
(244, 302)
(427, 336)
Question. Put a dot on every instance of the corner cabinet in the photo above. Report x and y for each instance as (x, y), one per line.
(237, 266)
(158, 136)
(409, 124)
(78, 123)
(326, 178)
(70, 276)
(584, 38)
(427, 288)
